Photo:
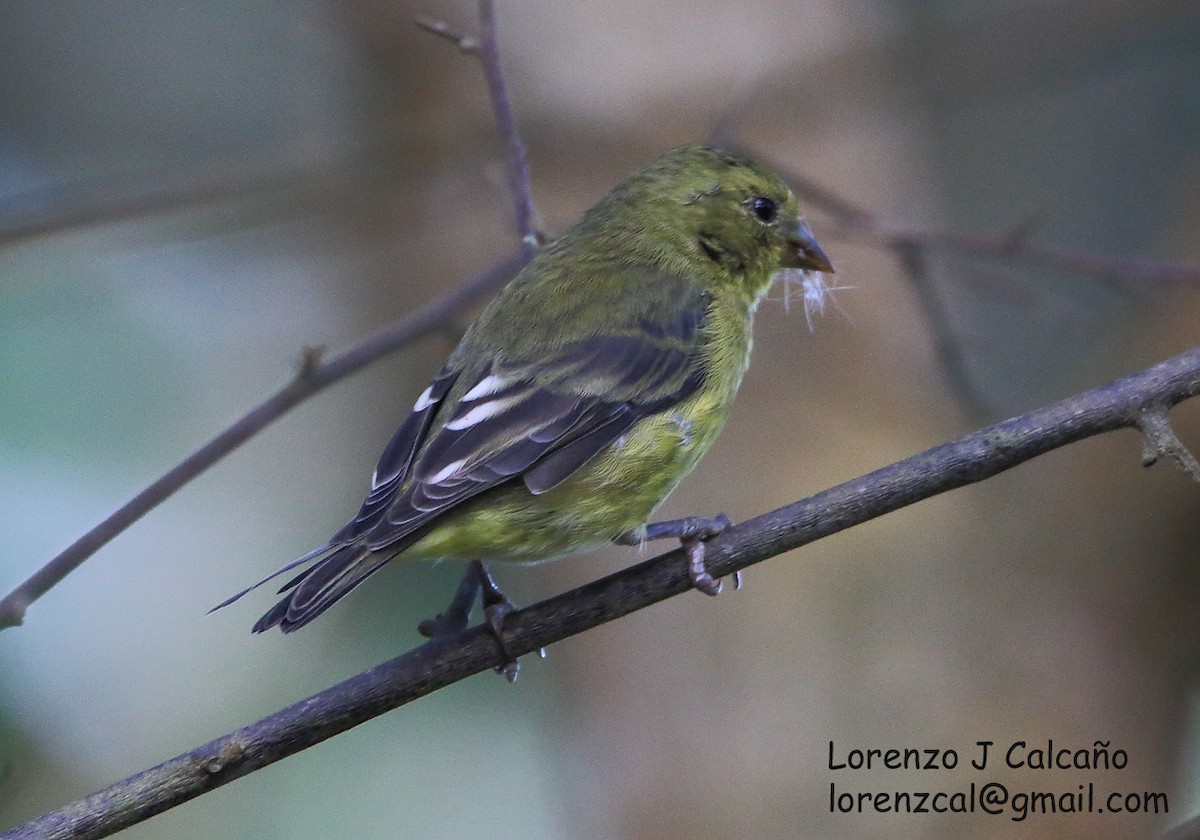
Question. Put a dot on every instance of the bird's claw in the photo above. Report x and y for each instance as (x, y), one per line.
(693, 532)
(476, 583)
(700, 577)
(496, 607)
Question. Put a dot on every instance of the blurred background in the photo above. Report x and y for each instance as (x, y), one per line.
(192, 193)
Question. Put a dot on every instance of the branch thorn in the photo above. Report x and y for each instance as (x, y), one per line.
(440, 28)
(310, 359)
(1159, 440)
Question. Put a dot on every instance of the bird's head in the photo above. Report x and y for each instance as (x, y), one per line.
(697, 208)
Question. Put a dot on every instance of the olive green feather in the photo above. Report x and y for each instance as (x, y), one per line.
(587, 390)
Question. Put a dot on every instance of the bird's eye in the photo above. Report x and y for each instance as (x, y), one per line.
(764, 208)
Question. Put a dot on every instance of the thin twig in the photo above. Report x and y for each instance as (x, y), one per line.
(442, 29)
(314, 377)
(854, 223)
(518, 164)
(112, 200)
(969, 459)
(1112, 267)
(947, 346)
(487, 50)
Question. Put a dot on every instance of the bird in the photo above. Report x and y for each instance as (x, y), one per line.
(583, 394)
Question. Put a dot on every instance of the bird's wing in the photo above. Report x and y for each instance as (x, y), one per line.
(389, 474)
(544, 419)
(534, 420)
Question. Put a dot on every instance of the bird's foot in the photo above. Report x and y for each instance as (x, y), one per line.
(699, 575)
(458, 614)
(477, 582)
(691, 531)
(496, 606)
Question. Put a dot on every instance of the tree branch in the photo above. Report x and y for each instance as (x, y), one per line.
(1017, 248)
(110, 200)
(314, 376)
(1160, 439)
(972, 458)
(855, 223)
(518, 163)
(947, 346)
(486, 48)
(912, 249)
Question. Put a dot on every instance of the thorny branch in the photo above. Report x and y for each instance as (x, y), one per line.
(970, 459)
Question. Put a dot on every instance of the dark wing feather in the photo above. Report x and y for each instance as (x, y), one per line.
(331, 579)
(557, 465)
(551, 423)
(537, 420)
(397, 458)
(389, 475)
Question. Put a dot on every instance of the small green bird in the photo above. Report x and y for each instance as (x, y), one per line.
(583, 394)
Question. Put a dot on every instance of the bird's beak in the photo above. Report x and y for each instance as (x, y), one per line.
(804, 252)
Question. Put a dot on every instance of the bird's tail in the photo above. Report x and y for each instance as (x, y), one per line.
(316, 589)
(299, 561)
